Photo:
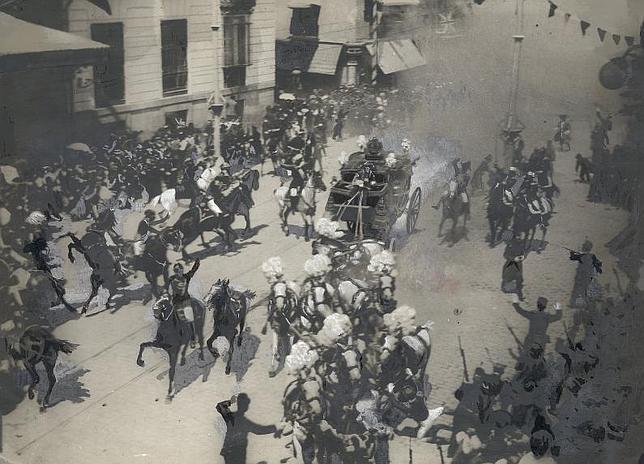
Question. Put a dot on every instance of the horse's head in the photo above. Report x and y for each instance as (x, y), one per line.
(220, 293)
(174, 238)
(162, 308)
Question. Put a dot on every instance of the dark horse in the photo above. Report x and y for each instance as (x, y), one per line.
(192, 224)
(229, 312)
(453, 209)
(153, 262)
(174, 333)
(105, 267)
(38, 345)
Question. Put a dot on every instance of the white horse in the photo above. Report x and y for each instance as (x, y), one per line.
(305, 205)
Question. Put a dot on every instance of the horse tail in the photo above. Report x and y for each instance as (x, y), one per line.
(63, 346)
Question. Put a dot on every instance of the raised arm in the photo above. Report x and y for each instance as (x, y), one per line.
(194, 269)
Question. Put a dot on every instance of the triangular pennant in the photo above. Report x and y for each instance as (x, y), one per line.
(553, 8)
(584, 26)
(629, 40)
(617, 38)
(567, 17)
(602, 33)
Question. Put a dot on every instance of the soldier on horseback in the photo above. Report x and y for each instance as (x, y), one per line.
(458, 185)
(177, 288)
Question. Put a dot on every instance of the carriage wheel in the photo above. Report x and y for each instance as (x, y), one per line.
(413, 210)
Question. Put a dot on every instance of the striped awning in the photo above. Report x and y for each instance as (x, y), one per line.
(325, 59)
(399, 55)
(307, 56)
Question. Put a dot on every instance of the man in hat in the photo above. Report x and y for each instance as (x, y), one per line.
(483, 167)
(145, 227)
(563, 132)
(512, 275)
(339, 124)
(587, 270)
(177, 288)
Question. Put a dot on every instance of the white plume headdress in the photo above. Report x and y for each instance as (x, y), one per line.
(381, 263)
(402, 318)
(336, 326)
(391, 160)
(362, 142)
(302, 356)
(328, 228)
(272, 268)
(318, 265)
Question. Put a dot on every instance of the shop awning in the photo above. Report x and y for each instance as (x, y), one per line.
(325, 59)
(398, 55)
(307, 56)
(26, 45)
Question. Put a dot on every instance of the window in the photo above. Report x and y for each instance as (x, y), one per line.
(304, 21)
(174, 118)
(109, 76)
(174, 56)
(236, 49)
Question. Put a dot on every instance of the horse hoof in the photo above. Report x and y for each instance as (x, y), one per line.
(272, 374)
(31, 395)
(193, 344)
(140, 363)
(227, 370)
(182, 362)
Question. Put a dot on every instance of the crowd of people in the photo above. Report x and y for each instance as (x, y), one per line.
(612, 171)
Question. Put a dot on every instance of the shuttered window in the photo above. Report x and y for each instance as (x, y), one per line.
(174, 56)
(109, 75)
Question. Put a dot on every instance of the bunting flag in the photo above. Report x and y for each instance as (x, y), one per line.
(617, 38)
(601, 33)
(552, 10)
(584, 26)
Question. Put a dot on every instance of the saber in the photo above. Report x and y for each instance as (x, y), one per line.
(460, 347)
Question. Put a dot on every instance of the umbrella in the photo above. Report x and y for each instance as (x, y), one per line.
(80, 147)
(287, 96)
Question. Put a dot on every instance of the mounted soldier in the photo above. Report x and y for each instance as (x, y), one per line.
(177, 288)
(457, 185)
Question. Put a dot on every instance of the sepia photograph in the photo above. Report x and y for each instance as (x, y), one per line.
(321, 231)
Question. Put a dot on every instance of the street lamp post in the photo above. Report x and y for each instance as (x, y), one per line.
(215, 104)
(512, 126)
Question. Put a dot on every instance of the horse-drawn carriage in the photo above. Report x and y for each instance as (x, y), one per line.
(373, 192)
